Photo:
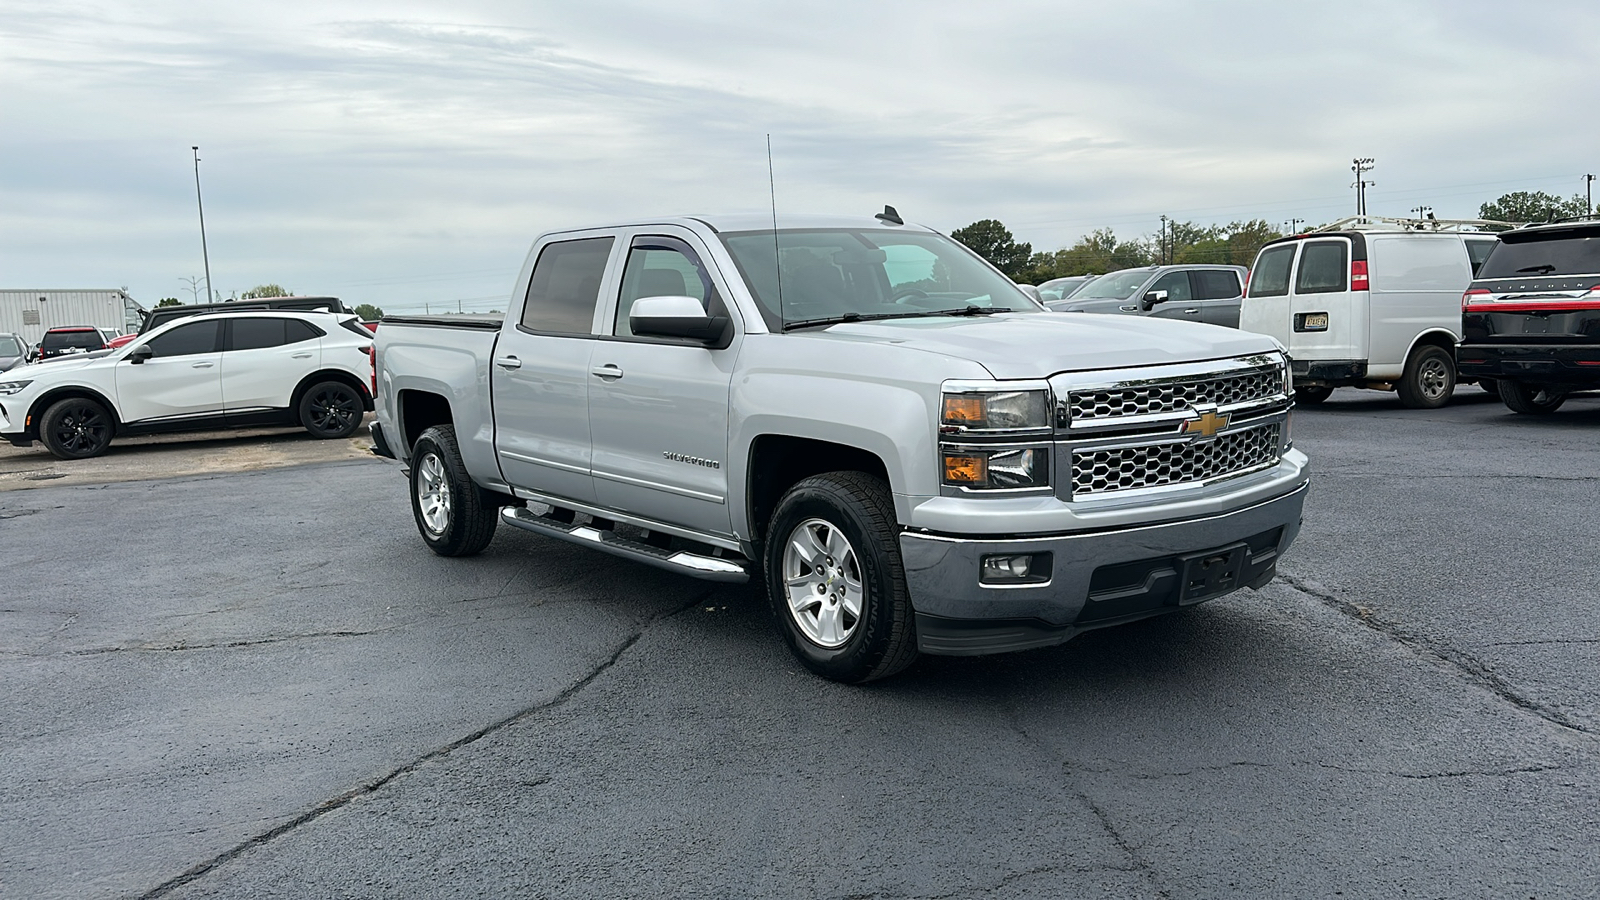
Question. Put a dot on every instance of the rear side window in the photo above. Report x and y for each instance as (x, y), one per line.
(566, 286)
(1215, 284)
(196, 337)
(1271, 275)
(1478, 253)
(1322, 268)
(256, 334)
(297, 330)
(1559, 254)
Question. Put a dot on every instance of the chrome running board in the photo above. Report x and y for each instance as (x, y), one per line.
(710, 568)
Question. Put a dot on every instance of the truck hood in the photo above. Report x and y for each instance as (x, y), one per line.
(1038, 345)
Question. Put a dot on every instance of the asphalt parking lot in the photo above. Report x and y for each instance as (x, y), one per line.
(259, 683)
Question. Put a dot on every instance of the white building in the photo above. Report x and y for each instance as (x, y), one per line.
(30, 312)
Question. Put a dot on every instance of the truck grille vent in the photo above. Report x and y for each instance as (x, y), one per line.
(1174, 396)
(1130, 468)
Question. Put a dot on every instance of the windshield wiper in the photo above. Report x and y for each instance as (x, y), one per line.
(1544, 269)
(972, 311)
(847, 317)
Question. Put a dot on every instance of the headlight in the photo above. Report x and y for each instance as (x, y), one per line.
(995, 411)
(11, 387)
(1011, 467)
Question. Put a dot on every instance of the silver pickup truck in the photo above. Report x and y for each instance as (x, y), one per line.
(913, 454)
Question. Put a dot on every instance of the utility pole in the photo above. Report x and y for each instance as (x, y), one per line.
(1294, 225)
(204, 253)
(1588, 194)
(1422, 211)
(194, 287)
(1361, 166)
(1163, 240)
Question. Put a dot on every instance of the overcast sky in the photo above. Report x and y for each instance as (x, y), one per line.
(404, 153)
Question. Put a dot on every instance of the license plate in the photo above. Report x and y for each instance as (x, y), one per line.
(1210, 574)
(1314, 322)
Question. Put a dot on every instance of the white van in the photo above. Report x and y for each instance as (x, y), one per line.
(1369, 302)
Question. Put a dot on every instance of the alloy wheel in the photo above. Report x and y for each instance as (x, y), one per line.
(822, 581)
(433, 494)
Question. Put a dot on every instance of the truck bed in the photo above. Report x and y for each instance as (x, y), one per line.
(484, 321)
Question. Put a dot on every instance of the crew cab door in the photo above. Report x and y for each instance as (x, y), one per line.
(1218, 292)
(263, 359)
(658, 407)
(1180, 302)
(182, 380)
(539, 377)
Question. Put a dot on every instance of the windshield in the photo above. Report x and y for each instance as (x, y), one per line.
(1116, 286)
(1569, 253)
(83, 340)
(10, 346)
(833, 273)
(1059, 288)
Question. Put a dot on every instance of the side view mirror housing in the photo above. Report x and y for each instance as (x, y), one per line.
(140, 353)
(1152, 298)
(679, 317)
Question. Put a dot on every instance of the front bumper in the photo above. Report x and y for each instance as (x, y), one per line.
(1097, 578)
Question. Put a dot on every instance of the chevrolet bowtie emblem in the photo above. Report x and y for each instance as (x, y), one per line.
(1205, 424)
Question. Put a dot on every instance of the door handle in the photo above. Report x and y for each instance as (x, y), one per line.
(607, 371)
(302, 356)
(1128, 308)
(1191, 312)
(508, 362)
(201, 366)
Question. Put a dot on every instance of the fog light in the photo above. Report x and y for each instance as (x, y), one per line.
(1020, 568)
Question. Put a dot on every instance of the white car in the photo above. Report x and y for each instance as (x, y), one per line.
(211, 371)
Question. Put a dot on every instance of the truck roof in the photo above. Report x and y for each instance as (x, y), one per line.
(757, 222)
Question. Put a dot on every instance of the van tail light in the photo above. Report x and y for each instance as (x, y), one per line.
(1466, 297)
(1246, 291)
(1358, 275)
(372, 357)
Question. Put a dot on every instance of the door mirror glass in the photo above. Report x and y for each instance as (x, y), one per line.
(680, 317)
(140, 353)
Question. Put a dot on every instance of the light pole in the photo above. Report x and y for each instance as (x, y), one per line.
(1422, 211)
(1361, 166)
(204, 253)
(1588, 194)
(1163, 240)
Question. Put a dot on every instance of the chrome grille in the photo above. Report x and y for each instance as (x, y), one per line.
(1154, 465)
(1171, 396)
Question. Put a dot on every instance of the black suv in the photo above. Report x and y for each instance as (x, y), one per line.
(1531, 319)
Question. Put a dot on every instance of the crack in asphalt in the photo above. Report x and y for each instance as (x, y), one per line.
(373, 786)
(1536, 643)
(1251, 764)
(1474, 670)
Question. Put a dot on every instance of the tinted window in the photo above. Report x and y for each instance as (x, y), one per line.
(1562, 253)
(1322, 268)
(1215, 284)
(83, 340)
(661, 267)
(1116, 286)
(296, 330)
(197, 337)
(1478, 252)
(1270, 278)
(255, 334)
(565, 286)
(1176, 284)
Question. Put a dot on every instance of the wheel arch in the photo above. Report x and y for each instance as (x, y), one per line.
(339, 375)
(66, 392)
(420, 410)
(778, 461)
(1434, 337)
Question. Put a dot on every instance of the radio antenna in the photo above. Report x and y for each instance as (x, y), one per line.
(777, 258)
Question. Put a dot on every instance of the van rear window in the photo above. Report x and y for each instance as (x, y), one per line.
(1271, 275)
(1569, 254)
(1322, 268)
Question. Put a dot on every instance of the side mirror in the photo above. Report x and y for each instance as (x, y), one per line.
(679, 317)
(1152, 298)
(140, 354)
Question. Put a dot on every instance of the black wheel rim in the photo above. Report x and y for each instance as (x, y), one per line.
(83, 428)
(334, 410)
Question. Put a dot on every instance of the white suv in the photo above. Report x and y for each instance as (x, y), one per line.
(211, 371)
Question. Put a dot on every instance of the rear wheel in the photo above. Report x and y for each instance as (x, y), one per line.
(453, 515)
(1429, 378)
(331, 409)
(1491, 385)
(75, 428)
(835, 580)
(1312, 394)
(1531, 399)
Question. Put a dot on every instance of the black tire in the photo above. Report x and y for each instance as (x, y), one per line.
(1490, 385)
(1312, 394)
(882, 639)
(331, 409)
(76, 428)
(1530, 399)
(466, 523)
(1429, 379)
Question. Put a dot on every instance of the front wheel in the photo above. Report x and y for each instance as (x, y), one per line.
(331, 409)
(454, 516)
(1429, 378)
(75, 428)
(1529, 399)
(1312, 394)
(835, 580)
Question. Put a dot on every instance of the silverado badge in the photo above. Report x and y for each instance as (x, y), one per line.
(1205, 424)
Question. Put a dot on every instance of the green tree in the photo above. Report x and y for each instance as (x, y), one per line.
(1533, 206)
(1095, 253)
(266, 290)
(1234, 244)
(368, 312)
(168, 301)
(994, 242)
